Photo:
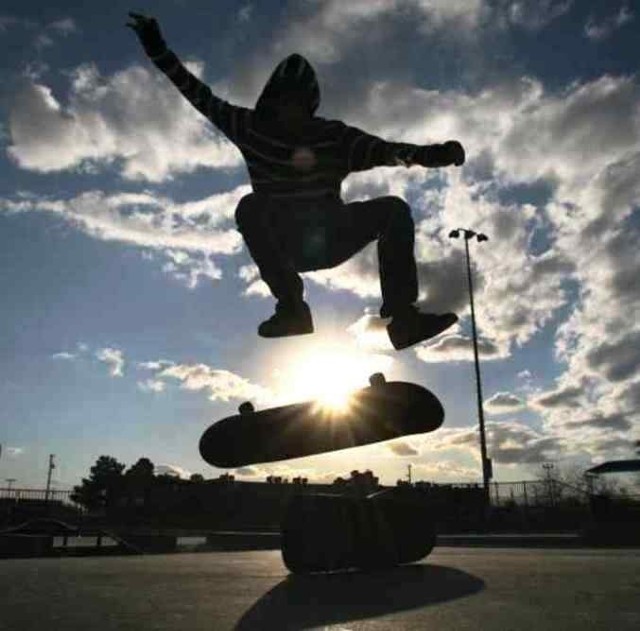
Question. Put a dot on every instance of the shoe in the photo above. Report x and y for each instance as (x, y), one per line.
(288, 320)
(409, 327)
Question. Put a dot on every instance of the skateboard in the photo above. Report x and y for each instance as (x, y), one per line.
(382, 411)
(332, 533)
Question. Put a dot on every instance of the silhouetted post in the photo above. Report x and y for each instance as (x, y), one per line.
(486, 462)
(548, 467)
(52, 466)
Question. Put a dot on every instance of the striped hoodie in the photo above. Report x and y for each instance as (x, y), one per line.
(310, 164)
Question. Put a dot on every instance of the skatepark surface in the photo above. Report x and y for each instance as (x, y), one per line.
(453, 588)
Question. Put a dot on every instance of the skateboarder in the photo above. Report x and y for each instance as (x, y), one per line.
(295, 221)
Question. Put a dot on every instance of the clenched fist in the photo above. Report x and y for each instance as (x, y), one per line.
(444, 155)
(148, 30)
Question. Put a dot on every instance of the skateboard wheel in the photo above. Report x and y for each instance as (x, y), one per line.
(246, 408)
(377, 379)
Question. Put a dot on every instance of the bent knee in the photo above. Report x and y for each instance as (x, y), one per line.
(401, 209)
(246, 211)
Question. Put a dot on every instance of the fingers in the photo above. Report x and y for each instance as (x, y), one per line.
(139, 21)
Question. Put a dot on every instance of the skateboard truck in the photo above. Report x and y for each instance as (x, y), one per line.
(377, 379)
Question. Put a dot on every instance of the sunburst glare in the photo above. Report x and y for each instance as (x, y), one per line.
(329, 374)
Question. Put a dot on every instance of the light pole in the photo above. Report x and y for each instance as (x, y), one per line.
(52, 466)
(487, 472)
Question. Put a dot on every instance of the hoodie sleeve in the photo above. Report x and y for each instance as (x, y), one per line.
(229, 119)
(362, 151)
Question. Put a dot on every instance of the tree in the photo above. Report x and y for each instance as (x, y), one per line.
(141, 470)
(104, 481)
(196, 477)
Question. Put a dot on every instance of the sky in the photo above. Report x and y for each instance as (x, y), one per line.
(130, 304)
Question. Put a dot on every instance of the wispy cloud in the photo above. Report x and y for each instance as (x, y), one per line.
(601, 29)
(64, 26)
(64, 355)
(534, 15)
(112, 357)
(152, 385)
(13, 452)
(186, 235)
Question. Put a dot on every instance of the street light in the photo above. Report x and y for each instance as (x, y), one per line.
(487, 472)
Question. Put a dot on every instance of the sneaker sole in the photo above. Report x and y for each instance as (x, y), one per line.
(399, 342)
(287, 334)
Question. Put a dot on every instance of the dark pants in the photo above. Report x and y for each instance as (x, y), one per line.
(287, 237)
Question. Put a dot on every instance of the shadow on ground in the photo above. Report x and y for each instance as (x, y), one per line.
(300, 602)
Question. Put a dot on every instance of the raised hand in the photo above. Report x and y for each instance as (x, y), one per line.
(148, 30)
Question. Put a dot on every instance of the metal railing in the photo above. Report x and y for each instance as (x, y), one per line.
(62, 496)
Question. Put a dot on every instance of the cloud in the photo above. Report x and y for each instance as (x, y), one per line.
(114, 358)
(13, 452)
(10, 21)
(503, 402)
(370, 332)
(456, 348)
(444, 471)
(402, 448)
(187, 235)
(568, 396)
(64, 26)
(220, 384)
(511, 443)
(617, 360)
(598, 30)
(135, 121)
(284, 471)
(534, 15)
(64, 355)
(255, 285)
(152, 385)
(245, 12)
(172, 470)
(249, 472)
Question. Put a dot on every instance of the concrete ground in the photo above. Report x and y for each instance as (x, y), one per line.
(484, 589)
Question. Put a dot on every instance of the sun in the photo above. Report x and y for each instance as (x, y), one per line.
(329, 374)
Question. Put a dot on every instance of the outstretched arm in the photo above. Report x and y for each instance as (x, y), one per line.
(230, 119)
(364, 151)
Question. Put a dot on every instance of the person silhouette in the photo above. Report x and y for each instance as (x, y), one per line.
(295, 220)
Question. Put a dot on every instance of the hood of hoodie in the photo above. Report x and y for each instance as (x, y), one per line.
(293, 74)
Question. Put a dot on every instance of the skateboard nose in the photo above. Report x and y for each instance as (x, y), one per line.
(214, 449)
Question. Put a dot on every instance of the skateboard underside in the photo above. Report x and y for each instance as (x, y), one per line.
(378, 413)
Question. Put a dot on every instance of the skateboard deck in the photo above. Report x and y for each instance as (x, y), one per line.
(382, 411)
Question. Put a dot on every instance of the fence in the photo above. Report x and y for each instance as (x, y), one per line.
(535, 493)
(61, 496)
(526, 493)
